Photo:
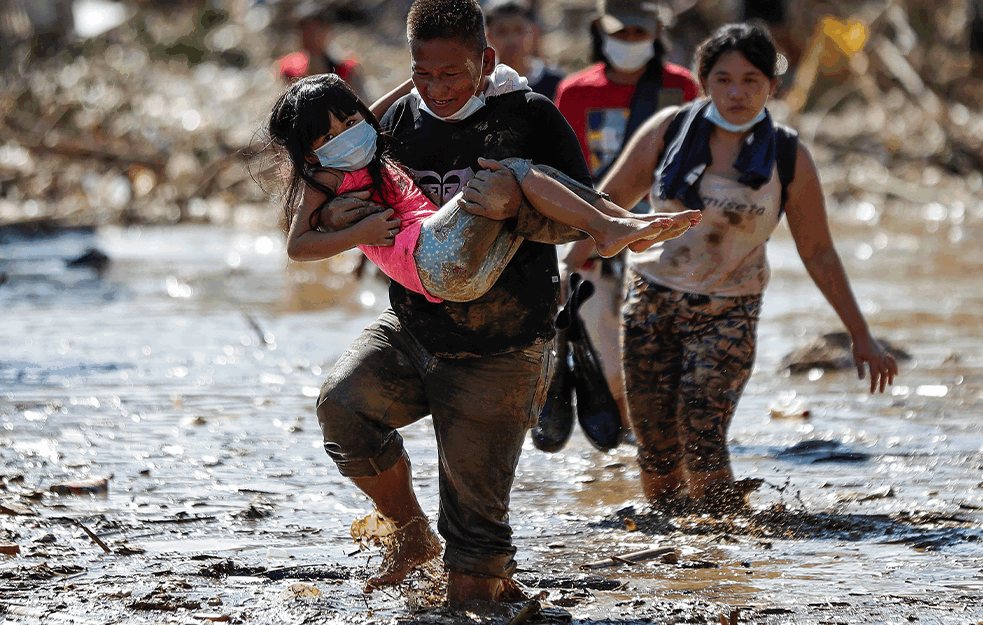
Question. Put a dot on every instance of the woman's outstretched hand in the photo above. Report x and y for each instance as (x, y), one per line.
(881, 365)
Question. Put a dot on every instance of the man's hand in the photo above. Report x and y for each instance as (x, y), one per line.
(492, 193)
(377, 229)
(347, 209)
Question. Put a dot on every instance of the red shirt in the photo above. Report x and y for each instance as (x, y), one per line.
(294, 66)
(598, 109)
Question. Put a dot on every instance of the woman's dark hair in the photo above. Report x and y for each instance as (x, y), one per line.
(652, 69)
(302, 115)
(447, 19)
(752, 39)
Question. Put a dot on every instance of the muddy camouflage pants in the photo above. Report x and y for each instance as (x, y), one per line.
(687, 358)
(481, 408)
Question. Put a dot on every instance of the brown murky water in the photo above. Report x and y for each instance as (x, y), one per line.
(187, 372)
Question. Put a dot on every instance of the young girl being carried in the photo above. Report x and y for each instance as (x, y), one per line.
(333, 144)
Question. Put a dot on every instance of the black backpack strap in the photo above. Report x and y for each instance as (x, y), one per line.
(644, 103)
(786, 150)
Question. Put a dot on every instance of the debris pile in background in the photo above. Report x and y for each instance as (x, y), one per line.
(150, 112)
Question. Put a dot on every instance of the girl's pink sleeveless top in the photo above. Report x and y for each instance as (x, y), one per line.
(411, 208)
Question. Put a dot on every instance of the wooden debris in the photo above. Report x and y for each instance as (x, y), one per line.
(12, 508)
(91, 486)
(94, 538)
(530, 609)
(629, 558)
(9, 549)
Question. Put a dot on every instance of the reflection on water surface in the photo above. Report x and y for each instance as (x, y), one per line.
(187, 369)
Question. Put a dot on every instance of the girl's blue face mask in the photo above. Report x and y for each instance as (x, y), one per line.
(353, 149)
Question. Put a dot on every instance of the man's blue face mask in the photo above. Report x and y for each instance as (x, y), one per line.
(353, 149)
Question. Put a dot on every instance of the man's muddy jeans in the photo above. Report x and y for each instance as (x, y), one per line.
(481, 407)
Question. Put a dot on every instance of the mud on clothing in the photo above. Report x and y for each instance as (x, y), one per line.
(481, 410)
(443, 157)
(411, 207)
(690, 325)
(687, 359)
(480, 368)
(725, 255)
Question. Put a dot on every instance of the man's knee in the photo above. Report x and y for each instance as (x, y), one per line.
(359, 447)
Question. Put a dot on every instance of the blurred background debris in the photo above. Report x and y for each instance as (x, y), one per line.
(149, 111)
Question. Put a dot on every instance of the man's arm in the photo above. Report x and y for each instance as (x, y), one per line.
(380, 106)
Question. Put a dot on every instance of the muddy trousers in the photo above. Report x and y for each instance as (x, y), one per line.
(687, 359)
(459, 256)
(481, 408)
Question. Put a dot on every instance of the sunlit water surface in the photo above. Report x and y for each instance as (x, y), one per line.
(188, 371)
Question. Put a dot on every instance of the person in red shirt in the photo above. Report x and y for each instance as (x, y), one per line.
(598, 103)
(626, 46)
(313, 22)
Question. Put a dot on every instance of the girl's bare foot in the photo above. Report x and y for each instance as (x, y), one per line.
(408, 547)
(680, 223)
(617, 233)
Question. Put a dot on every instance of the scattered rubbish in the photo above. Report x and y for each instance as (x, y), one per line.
(732, 619)
(530, 609)
(794, 409)
(372, 529)
(90, 486)
(13, 508)
(884, 492)
(228, 568)
(161, 601)
(300, 591)
(93, 259)
(817, 451)
(129, 550)
(581, 581)
(308, 572)
(275, 553)
(9, 549)
(628, 558)
(215, 618)
(259, 508)
(94, 538)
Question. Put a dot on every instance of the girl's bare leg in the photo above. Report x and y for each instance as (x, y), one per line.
(459, 256)
(611, 227)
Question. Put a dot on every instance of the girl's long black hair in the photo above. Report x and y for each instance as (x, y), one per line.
(652, 69)
(302, 115)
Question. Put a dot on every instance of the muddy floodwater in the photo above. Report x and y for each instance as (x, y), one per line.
(185, 372)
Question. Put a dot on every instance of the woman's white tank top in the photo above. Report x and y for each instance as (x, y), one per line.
(725, 254)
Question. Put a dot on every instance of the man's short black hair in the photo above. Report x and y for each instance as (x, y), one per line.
(447, 19)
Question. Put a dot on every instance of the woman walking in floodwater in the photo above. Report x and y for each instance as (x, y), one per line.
(692, 303)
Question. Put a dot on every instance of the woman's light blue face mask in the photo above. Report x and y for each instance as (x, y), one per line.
(353, 149)
(713, 114)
